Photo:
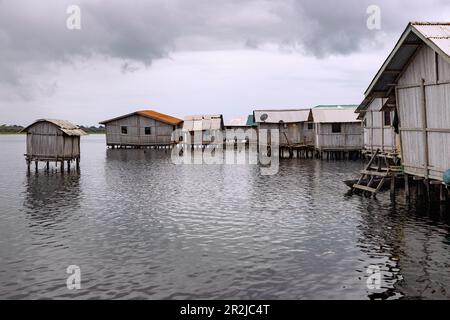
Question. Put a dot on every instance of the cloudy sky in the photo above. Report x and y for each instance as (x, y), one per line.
(186, 57)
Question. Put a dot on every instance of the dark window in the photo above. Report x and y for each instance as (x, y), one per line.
(387, 118)
(124, 129)
(310, 126)
(335, 127)
(148, 131)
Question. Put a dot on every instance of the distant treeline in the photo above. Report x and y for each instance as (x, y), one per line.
(10, 129)
(16, 129)
(93, 129)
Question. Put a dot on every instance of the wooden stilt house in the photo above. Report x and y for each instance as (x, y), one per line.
(141, 129)
(415, 78)
(51, 140)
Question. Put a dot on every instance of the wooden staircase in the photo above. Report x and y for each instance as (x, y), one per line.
(373, 171)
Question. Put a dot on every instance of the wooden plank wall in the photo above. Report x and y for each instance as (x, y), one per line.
(350, 138)
(46, 140)
(297, 133)
(161, 132)
(423, 99)
(376, 134)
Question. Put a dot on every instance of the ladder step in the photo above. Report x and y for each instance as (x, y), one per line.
(374, 173)
(358, 186)
(376, 168)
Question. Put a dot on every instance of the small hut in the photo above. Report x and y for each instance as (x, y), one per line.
(200, 130)
(51, 140)
(378, 127)
(141, 129)
(416, 78)
(296, 130)
(244, 123)
(337, 130)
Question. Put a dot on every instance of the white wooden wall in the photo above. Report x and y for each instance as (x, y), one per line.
(376, 134)
(297, 133)
(350, 137)
(424, 110)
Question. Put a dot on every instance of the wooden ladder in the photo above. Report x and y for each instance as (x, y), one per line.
(371, 172)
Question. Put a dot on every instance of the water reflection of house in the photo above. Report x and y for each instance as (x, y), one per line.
(203, 129)
(145, 128)
(336, 129)
(415, 81)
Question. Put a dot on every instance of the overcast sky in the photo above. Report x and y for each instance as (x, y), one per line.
(185, 57)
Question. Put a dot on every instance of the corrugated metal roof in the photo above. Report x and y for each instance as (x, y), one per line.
(149, 114)
(237, 122)
(331, 115)
(203, 122)
(284, 116)
(434, 34)
(64, 125)
(327, 106)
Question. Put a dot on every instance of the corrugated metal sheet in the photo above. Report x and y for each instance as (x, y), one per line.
(63, 125)
(340, 106)
(285, 116)
(203, 122)
(237, 122)
(434, 34)
(331, 115)
(149, 114)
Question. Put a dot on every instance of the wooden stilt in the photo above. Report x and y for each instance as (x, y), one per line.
(407, 191)
(28, 166)
(62, 166)
(77, 163)
(68, 165)
(443, 193)
(47, 166)
(427, 190)
(392, 186)
(36, 165)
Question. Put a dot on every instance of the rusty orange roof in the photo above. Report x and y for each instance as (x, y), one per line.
(150, 114)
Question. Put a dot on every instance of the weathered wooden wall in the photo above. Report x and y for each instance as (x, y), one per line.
(297, 133)
(161, 132)
(46, 141)
(423, 101)
(377, 135)
(350, 137)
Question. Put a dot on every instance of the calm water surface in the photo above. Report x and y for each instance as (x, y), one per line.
(139, 226)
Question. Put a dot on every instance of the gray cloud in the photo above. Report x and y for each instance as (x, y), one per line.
(34, 37)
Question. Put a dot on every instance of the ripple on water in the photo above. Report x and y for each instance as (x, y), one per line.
(141, 227)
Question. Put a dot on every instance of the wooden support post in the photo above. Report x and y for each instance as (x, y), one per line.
(420, 187)
(407, 191)
(427, 190)
(62, 165)
(36, 165)
(68, 165)
(28, 166)
(443, 193)
(393, 187)
(77, 163)
(47, 166)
